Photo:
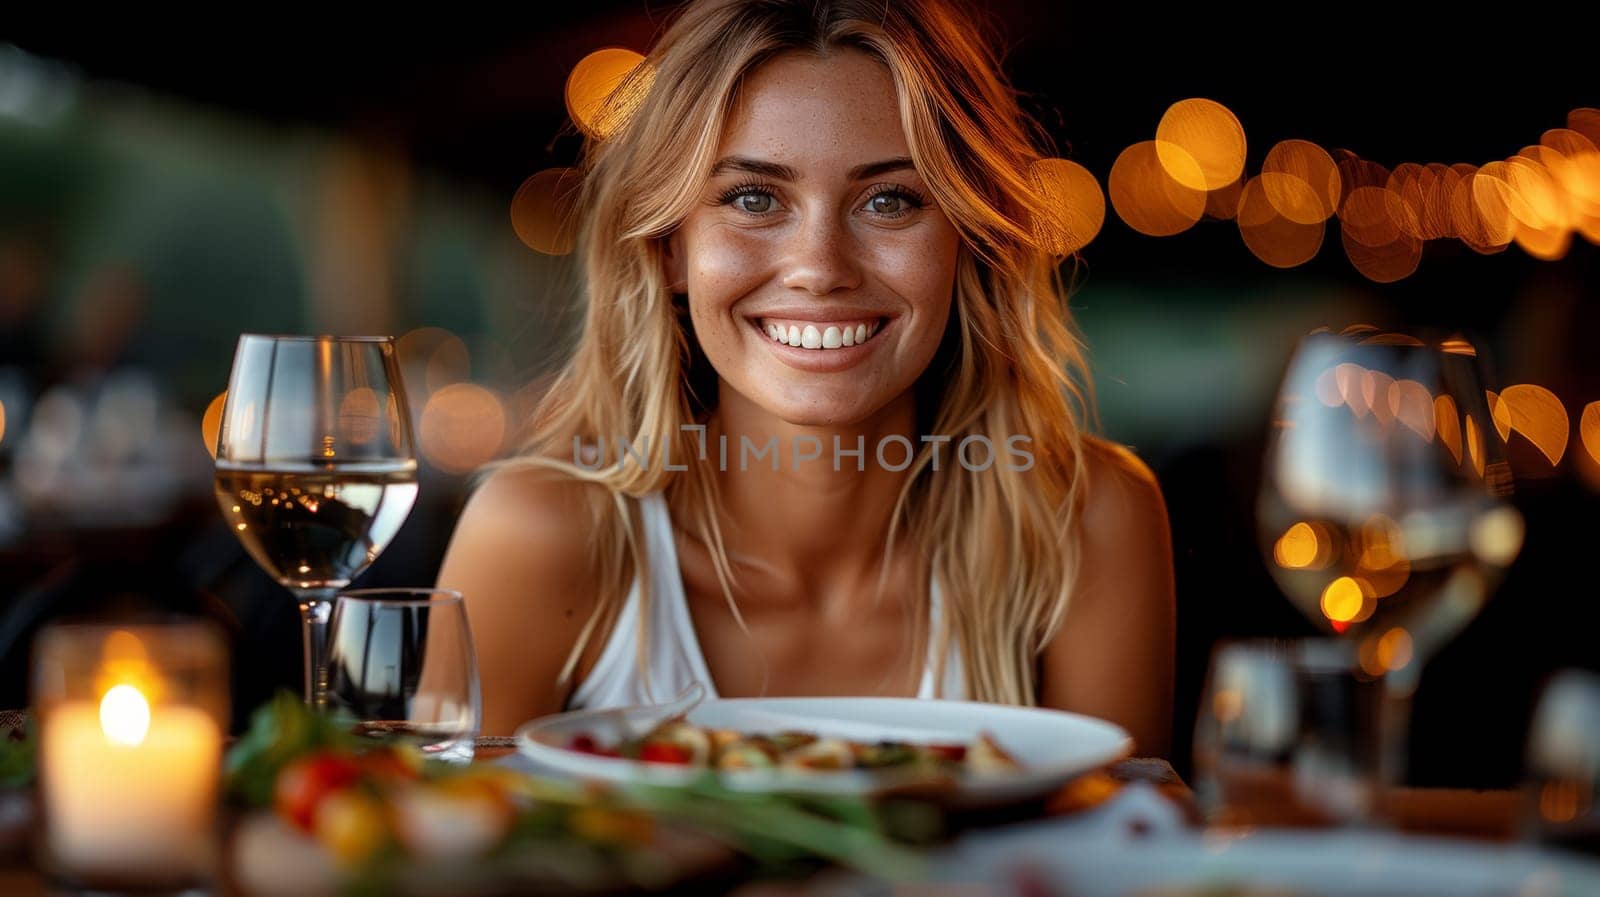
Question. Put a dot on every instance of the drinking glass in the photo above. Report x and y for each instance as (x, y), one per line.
(1384, 511)
(315, 469)
(400, 662)
(1563, 763)
(1282, 737)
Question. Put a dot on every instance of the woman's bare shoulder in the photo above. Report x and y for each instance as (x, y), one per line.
(522, 558)
(1120, 491)
(524, 522)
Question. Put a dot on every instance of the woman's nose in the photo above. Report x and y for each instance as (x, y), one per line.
(821, 258)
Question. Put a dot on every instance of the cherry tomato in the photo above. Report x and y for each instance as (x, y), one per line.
(351, 825)
(303, 784)
(664, 752)
(584, 743)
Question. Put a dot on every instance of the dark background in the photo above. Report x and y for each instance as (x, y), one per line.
(1187, 334)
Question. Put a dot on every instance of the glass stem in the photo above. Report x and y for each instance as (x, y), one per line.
(316, 606)
(1394, 737)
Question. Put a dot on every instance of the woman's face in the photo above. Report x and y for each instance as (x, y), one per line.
(818, 270)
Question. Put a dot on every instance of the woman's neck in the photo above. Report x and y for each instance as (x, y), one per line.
(807, 522)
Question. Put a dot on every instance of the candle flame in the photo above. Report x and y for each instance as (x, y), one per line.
(125, 716)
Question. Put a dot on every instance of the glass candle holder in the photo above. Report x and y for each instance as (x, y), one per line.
(131, 721)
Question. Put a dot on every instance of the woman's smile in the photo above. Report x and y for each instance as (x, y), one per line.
(820, 341)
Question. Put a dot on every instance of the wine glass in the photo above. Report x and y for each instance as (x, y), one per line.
(400, 661)
(1384, 511)
(315, 469)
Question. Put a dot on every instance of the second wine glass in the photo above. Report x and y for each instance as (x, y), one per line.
(315, 468)
(1384, 510)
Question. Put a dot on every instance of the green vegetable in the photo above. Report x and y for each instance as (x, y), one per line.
(784, 830)
(16, 758)
(281, 730)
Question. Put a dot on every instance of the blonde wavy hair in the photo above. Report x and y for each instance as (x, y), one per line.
(1002, 541)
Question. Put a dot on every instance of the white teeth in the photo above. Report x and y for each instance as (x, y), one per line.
(828, 336)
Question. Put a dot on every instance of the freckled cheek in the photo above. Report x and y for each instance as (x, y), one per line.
(724, 268)
(920, 268)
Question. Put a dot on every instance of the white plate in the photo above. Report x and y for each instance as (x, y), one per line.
(1053, 747)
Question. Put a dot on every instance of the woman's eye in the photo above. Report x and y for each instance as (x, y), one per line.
(754, 203)
(887, 203)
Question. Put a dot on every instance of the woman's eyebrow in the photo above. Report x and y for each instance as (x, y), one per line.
(786, 173)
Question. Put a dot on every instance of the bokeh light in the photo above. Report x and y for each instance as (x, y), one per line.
(1273, 238)
(1366, 217)
(1493, 195)
(593, 98)
(1405, 188)
(1439, 184)
(432, 358)
(1395, 649)
(1466, 217)
(1499, 414)
(1304, 184)
(1356, 172)
(1537, 414)
(1585, 121)
(1147, 198)
(543, 211)
(1540, 209)
(1388, 263)
(1413, 407)
(1381, 557)
(1377, 388)
(211, 422)
(1589, 430)
(1475, 447)
(1448, 425)
(1077, 207)
(1206, 133)
(1347, 377)
(463, 427)
(1346, 601)
(1303, 546)
(1496, 535)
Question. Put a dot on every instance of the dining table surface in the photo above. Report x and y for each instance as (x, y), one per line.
(1484, 816)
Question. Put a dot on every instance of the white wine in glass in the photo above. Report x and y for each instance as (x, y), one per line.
(1384, 512)
(315, 468)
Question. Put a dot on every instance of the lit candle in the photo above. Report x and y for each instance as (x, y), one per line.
(129, 788)
(129, 753)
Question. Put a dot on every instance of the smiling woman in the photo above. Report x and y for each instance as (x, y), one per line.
(816, 230)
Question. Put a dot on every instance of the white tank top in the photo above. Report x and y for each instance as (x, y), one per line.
(673, 652)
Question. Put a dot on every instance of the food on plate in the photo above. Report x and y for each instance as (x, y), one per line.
(679, 742)
(324, 811)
